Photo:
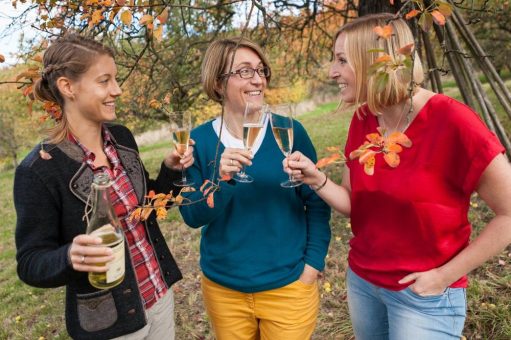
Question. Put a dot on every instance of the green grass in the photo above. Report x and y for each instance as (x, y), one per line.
(30, 313)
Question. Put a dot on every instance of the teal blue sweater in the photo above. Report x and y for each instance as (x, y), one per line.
(259, 235)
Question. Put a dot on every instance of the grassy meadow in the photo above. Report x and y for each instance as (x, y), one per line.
(31, 313)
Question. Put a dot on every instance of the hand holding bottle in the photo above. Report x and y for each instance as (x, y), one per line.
(86, 252)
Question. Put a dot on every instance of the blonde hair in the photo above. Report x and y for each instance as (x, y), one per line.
(69, 56)
(360, 38)
(217, 61)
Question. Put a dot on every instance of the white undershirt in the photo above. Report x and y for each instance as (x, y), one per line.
(229, 141)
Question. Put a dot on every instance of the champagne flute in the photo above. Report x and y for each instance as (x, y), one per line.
(180, 126)
(281, 119)
(253, 123)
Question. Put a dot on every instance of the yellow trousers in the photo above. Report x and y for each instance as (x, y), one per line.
(286, 313)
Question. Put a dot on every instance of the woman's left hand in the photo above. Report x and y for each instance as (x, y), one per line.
(309, 275)
(175, 162)
(431, 282)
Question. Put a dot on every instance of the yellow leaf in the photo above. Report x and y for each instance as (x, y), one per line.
(158, 33)
(126, 17)
(445, 8)
(145, 213)
(162, 18)
(38, 58)
(97, 16)
(146, 20)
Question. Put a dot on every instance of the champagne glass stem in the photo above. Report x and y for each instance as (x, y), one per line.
(291, 178)
(183, 173)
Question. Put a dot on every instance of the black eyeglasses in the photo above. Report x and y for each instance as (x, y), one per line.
(248, 72)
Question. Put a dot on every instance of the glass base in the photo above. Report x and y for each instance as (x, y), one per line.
(183, 183)
(243, 178)
(291, 184)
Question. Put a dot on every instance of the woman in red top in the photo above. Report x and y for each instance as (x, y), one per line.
(413, 163)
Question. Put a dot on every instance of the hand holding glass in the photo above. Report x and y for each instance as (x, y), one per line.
(180, 126)
(253, 123)
(281, 118)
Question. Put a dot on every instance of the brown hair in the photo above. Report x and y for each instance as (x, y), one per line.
(217, 60)
(360, 38)
(69, 56)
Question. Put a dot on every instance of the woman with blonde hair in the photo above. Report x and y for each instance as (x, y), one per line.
(414, 160)
(262, 245)
(52, 188)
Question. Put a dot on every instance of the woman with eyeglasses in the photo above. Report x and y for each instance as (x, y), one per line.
(262, 245)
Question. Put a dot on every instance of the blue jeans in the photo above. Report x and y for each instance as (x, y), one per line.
(381, 314)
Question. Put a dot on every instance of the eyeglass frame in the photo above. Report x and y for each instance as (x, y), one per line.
(254, 70)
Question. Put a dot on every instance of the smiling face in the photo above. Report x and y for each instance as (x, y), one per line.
(342, 72)
(239, 91)
(96, 90)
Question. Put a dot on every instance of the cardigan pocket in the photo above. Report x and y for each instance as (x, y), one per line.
(96, 311)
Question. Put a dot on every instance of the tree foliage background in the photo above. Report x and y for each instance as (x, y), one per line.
(159, 45)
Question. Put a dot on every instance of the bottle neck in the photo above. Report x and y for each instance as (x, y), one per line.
(101, 205)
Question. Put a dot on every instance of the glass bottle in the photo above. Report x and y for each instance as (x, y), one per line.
(104, 224)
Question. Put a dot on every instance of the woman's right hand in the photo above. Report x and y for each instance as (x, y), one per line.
(232, 160)
(303, 169)
(86, 251)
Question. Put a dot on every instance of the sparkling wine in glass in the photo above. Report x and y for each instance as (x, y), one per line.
(281, 119)
(253, 123)
(180, 126)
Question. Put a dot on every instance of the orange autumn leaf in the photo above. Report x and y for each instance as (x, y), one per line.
(392, 159)
(2, 58)
(161, 213)
(392, 147)
(151, 194)
(126, 17)
(383, 59)
(401, 138)
(146, 211)
(384, 32)
(226, 177)
(406, 50)
(38, 58)
(162, 18)
(158, 33)
(412, 14)
(438, 17)
(369, 165)
(210, 200)
(328, 160)
(135, 215)
(27, 91)
(375, 138)
(96, 17)
(146, 20)
(358, 152)
(368, 154)
(178, 199)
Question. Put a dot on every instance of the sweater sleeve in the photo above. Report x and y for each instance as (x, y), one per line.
(316, 210)
(195, 210)
(42, 259)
